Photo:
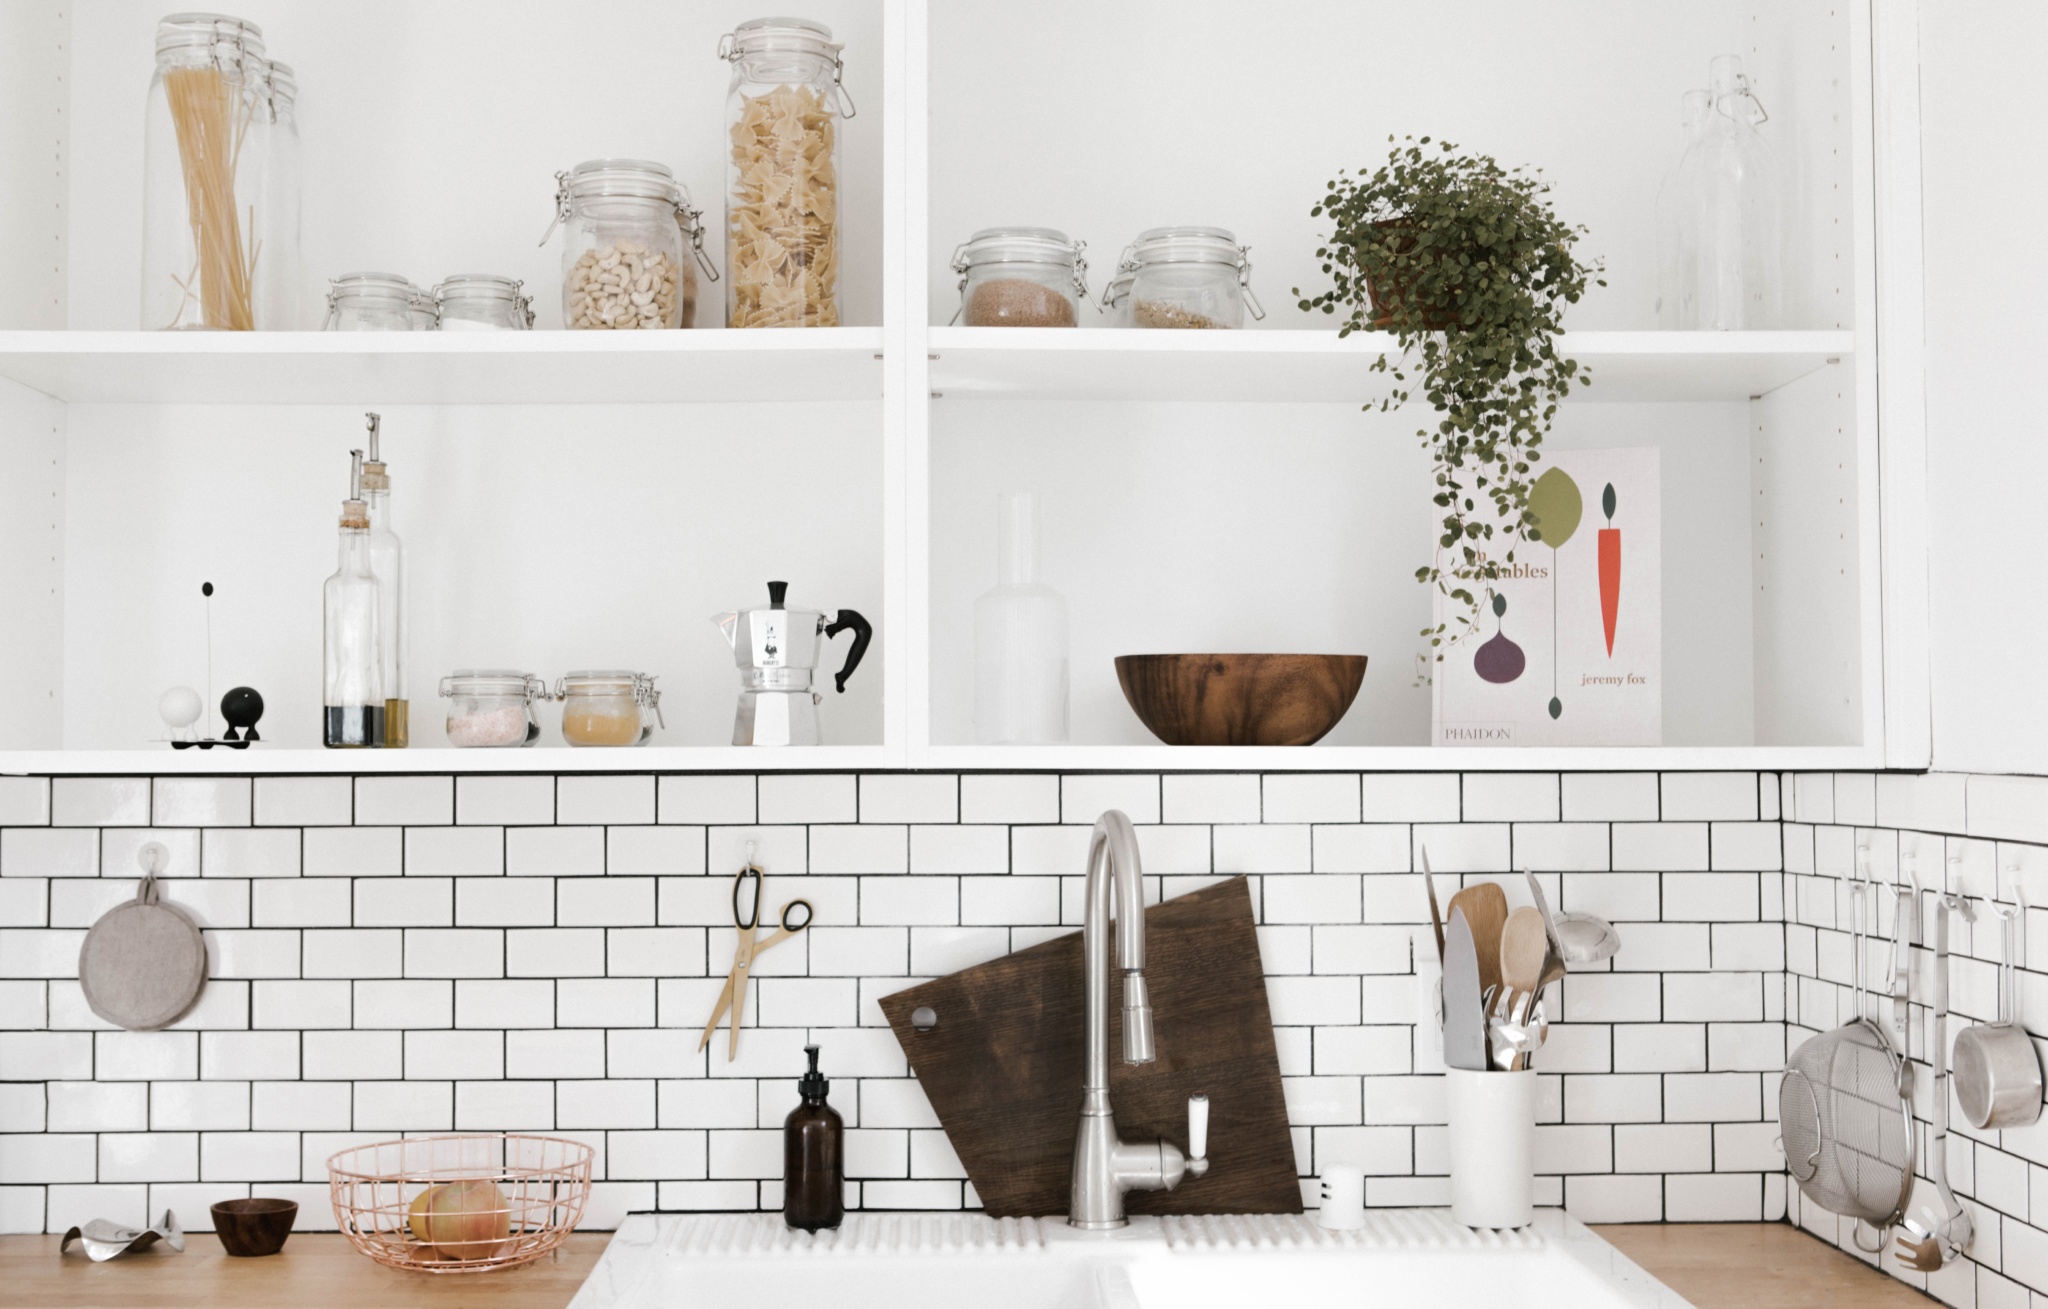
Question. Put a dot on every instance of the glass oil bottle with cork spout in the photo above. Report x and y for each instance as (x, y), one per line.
(387, 561)
(352, 676)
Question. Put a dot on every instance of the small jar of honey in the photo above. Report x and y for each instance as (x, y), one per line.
(608, 707)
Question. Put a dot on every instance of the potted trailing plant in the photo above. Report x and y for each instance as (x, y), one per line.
(1470, 268)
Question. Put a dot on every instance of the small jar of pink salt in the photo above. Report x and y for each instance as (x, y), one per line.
(492, 707)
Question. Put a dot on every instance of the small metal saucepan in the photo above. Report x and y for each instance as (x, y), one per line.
(1997, 1072)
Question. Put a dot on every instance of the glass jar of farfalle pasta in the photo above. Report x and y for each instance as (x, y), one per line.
(782, 174)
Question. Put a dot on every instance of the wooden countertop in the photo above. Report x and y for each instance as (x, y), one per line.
(1716, 1266)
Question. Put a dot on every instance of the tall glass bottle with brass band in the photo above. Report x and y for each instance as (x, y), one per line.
(352, 677)
(387, 560)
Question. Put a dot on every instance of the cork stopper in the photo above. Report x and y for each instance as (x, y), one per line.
(375, 475)
(355, 512)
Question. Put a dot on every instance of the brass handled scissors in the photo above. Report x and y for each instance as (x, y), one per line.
(746, 917)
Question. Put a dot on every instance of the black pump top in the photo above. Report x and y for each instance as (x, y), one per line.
(776, 590)
(812, 1085)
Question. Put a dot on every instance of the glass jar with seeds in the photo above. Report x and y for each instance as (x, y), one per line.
(1021, 277)
(1185, 277)
(634, 244)
(371, 302)
(483, 302)
(206, 131)
(782, 173)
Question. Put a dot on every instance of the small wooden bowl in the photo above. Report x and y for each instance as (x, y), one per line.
(249, 1228)
(1240, 699)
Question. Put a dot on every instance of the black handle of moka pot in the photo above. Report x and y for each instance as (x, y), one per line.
(863, 632)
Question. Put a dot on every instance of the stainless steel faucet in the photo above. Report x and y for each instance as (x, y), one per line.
(1104, 1167)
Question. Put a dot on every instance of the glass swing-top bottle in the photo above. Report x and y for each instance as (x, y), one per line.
(353, 683)
(387, 561)
(1728, 189)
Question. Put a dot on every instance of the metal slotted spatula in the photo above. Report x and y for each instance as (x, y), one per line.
(1843, 1110)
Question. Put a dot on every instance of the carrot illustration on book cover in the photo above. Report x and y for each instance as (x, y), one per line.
(1610, 568)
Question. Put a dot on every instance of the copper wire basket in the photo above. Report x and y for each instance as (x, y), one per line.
(515, 1199)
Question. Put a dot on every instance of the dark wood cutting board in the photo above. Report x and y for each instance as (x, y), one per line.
(1003, 1065)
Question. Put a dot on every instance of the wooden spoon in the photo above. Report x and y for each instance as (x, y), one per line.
(1486, 913)
(1524, 946)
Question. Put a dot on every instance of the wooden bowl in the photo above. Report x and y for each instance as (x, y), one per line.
(254, 1227)
(1240, 699)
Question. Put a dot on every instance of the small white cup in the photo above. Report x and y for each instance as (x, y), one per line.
(1343, 1198)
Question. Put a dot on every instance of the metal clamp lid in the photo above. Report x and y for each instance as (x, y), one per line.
(797, 34)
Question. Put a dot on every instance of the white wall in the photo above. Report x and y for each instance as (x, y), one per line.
(1987, 281)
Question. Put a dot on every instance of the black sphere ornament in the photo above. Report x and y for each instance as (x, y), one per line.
(242, 708)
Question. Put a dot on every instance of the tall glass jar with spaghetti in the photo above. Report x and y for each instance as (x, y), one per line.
(782, 173)
(206, 133)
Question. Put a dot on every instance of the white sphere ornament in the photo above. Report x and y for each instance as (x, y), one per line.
(179, 707)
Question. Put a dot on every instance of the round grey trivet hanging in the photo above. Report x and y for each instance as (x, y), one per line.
(144, 962)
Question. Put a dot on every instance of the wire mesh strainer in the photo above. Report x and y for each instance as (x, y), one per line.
(1844, 1113)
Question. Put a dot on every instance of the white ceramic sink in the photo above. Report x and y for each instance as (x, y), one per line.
(939, 1261)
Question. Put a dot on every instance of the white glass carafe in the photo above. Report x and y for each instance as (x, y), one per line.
(1020, 639)
(387, 561)
(1731, 185)
(352, 676)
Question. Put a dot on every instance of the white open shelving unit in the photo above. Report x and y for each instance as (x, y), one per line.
(584, 500)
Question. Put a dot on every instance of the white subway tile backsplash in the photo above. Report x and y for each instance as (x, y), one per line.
(24, 801)
(200, 802)
(303, 801)
(647, 851)
(1085, 797)
(1510, 797)
(1610, 798)
(353, 852)
(100, 801)
(49, 852)
(909, 798)
(1210, 798)
(404, 801)
(807, 798)
(1009, 798)
(454, 851)
(1319, 797)
(384, 977)
(524, 801)
(554, 851)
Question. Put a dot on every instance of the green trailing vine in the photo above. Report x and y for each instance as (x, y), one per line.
(1470, 268)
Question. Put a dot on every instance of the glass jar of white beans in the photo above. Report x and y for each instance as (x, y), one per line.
(634, 244)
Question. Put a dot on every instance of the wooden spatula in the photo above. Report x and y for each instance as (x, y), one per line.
(1486, 912)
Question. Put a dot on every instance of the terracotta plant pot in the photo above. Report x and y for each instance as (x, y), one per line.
(248, 1228)
(1240, 699)
(1391, 297)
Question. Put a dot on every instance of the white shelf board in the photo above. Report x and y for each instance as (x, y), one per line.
(259, 760)
(1104, 364)
(829, 363)
(1390, 759)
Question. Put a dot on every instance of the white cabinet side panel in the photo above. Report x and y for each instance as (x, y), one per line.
(31, 569)
(1805, 562)
(35, 66)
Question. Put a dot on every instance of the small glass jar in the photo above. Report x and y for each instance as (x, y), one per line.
(492, 707)
(1021, 277)
(483, 302)
(207, 130)
(370, 302)
(1184, 277)
(608, 707)
(782, 194)
(626, 265)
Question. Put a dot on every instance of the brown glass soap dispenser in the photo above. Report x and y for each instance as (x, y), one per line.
(813, 1157)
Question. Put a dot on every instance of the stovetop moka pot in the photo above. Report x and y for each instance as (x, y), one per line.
(777, 648)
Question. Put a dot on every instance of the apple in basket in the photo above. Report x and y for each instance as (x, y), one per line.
(461, 1220)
